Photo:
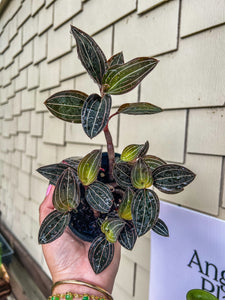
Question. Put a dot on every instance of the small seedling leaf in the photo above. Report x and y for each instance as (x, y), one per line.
(67, 105)
(116, 59)
(122, 174)
(89, 166)
(145, 210)
(172, 178)
(121, 79)
(99, 197)
(160, 228)
(90, 55)
(128, 236)
(100, 254)
(140, 108)
(112, 228)
(141, 175)
(66, 195)
(53, 227)
(95, 114)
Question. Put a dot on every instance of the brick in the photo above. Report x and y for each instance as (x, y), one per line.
(54, 130)
(208, 173)
(144, 5)
(211, 139)
(38, 188)
(31, 146)
(24, 122)
(108, 9)
(21, 80)
(125, 275)
(75, 133)
(16, 159)
(194, 86)
(17, 104)
(141, 284)
(49, 75)
(45, 19)
(37, 5)
(15, 68)
(20, 142)
(60, 37)
(169, 141)
(24, 184)
(70, 150)
(26, 163)
(36, 128)
(26, 57)
(148, 35)
(28, 100)
(30, 29)
(64, 11)
(200, 15)
(40, 48)
(24, 12)
(33, 77)
(46, 153)
(40, 98)
(16, 43)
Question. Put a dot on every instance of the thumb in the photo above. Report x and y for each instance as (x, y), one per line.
(46, 206)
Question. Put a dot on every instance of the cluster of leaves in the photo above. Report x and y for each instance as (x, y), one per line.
(126, 208)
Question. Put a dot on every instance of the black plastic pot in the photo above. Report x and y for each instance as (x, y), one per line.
(84, 224)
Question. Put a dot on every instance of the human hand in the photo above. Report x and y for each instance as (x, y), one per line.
(67, 257)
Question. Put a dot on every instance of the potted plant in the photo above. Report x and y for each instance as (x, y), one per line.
(107, 197)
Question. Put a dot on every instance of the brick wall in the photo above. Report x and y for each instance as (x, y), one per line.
(38, 58)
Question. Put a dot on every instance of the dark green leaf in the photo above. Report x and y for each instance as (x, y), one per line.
(133, 151)
(52, 172)
(89, 166)
(140, 108)
(53, 227)
(116, 59)
(99, 197)
(141, 175)
(124, 211)
(100, 254)
(121, 79)
(160, 228)
(112, 228)
(128, 236)
(95, 114)
(172, 178)
(197, 294)
(153, 162)
(72, 162)
(66, 195)
(122, 174)
(67, 105)
(145, 210)
(90, 54)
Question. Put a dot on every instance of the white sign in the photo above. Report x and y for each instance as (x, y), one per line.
(192, 257)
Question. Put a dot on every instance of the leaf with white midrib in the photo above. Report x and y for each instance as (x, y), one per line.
(116, 59)
(122, 174)
(128, 236)
(140, 108)
(53, 226)
(153, 161)
(52, 172)
(100, 254)
(161, 228)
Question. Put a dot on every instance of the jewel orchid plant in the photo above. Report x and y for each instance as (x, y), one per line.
(107, 197)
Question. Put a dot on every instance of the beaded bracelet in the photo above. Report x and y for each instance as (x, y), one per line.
(70, 296)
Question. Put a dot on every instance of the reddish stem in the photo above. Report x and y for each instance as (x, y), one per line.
(110, 149)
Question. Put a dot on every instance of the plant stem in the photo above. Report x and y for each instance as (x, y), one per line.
(111, 152)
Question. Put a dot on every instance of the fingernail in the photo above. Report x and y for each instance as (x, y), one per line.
(48, 190)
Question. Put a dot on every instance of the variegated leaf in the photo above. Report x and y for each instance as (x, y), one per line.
(124, 211)
(128, 236)
(160, 228)
(116, 59)
(90, 55)
(52, 172)
(89, 166)
(67, 105)
(145, 210)
(53, 227)
(100, 254)
(66, 195)
(112, 228)
(133, 151)
(121, 79)
(153, 161)
(171, 178)
(140, 108)
(99, 197)
(122, 174)
(141, 175)
(72, 162)
(95, 114)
